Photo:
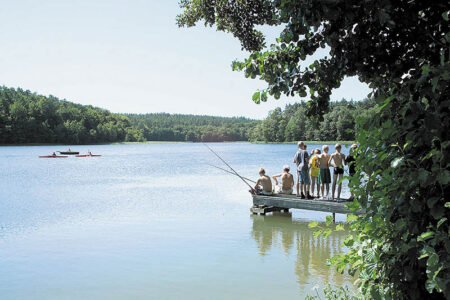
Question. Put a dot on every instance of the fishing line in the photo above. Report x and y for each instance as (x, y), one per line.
(230, 172)
(236, 173)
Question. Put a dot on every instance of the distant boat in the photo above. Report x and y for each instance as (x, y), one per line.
(88, 155)
(69, 152)
(53, 156)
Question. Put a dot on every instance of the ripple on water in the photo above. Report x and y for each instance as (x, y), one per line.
(152, 221)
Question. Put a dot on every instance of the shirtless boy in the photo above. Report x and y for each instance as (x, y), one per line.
(263, 184)
(324, 171)
(287, 181)
(337, 160)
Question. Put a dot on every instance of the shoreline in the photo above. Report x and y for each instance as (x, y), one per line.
(180, 142)
(92, 144)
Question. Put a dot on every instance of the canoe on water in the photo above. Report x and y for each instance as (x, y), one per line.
(88, 155)
(52, 156)
(69, 152)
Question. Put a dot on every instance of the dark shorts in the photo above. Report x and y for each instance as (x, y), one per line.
(324, 176)
(303, 176)
(338, 170)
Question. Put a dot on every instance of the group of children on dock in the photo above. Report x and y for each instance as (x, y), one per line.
(313, 174)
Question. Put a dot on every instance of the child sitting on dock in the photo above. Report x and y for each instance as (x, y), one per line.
(324, 172)
(263, 184)
(287, 182)
(314, 163)
(337, 160)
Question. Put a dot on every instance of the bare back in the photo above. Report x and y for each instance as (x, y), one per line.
(265, 182)
(324, 157)
(338, 159)
(287, 181)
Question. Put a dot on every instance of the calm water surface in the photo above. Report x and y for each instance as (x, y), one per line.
(153, 221)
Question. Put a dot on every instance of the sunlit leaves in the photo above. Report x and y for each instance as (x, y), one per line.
(424, 236)
(351, 218)
(340, 227)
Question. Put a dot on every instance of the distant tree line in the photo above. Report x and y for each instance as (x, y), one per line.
(26, 117)
(292, 124)
(192, 128)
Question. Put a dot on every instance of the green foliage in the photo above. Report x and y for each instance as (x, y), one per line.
(324, 230)
(26, 117)
(291, 124)
(331, 293)
(400, 249)
(192, 128)
(403, 241)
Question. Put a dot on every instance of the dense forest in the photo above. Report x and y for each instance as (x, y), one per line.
(26, 117)
(291, 124)
(177, 127)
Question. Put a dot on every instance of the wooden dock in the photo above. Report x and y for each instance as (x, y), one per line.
(263, 204)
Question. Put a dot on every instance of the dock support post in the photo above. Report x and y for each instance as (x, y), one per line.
(334, 218)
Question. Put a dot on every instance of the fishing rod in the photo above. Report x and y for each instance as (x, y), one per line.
(236, 173)
(230, 172)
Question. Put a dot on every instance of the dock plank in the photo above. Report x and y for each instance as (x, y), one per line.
(291, 201)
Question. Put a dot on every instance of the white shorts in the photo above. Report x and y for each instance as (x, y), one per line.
(263, 192)
(279, 190)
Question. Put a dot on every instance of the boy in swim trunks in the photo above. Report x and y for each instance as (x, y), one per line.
(324, 172)
(287, 181)
(301, 158)
(337, 160)
(314, 163)
(263, 184)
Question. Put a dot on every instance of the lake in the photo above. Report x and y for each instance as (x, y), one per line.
(154, 221)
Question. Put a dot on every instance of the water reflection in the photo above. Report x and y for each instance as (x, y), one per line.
(311, 254)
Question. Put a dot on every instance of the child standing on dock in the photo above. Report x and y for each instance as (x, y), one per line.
(337, 160)
(324, 172)
(350, 161)
(301, 158)
(314, 163)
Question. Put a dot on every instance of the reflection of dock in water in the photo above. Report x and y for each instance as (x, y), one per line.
(312, 253)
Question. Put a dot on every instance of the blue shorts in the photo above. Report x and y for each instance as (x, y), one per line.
(303, 176)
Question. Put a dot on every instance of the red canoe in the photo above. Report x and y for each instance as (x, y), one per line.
(52, 156)
(87, 155)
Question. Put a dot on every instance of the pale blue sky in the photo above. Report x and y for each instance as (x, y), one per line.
(129, 56)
